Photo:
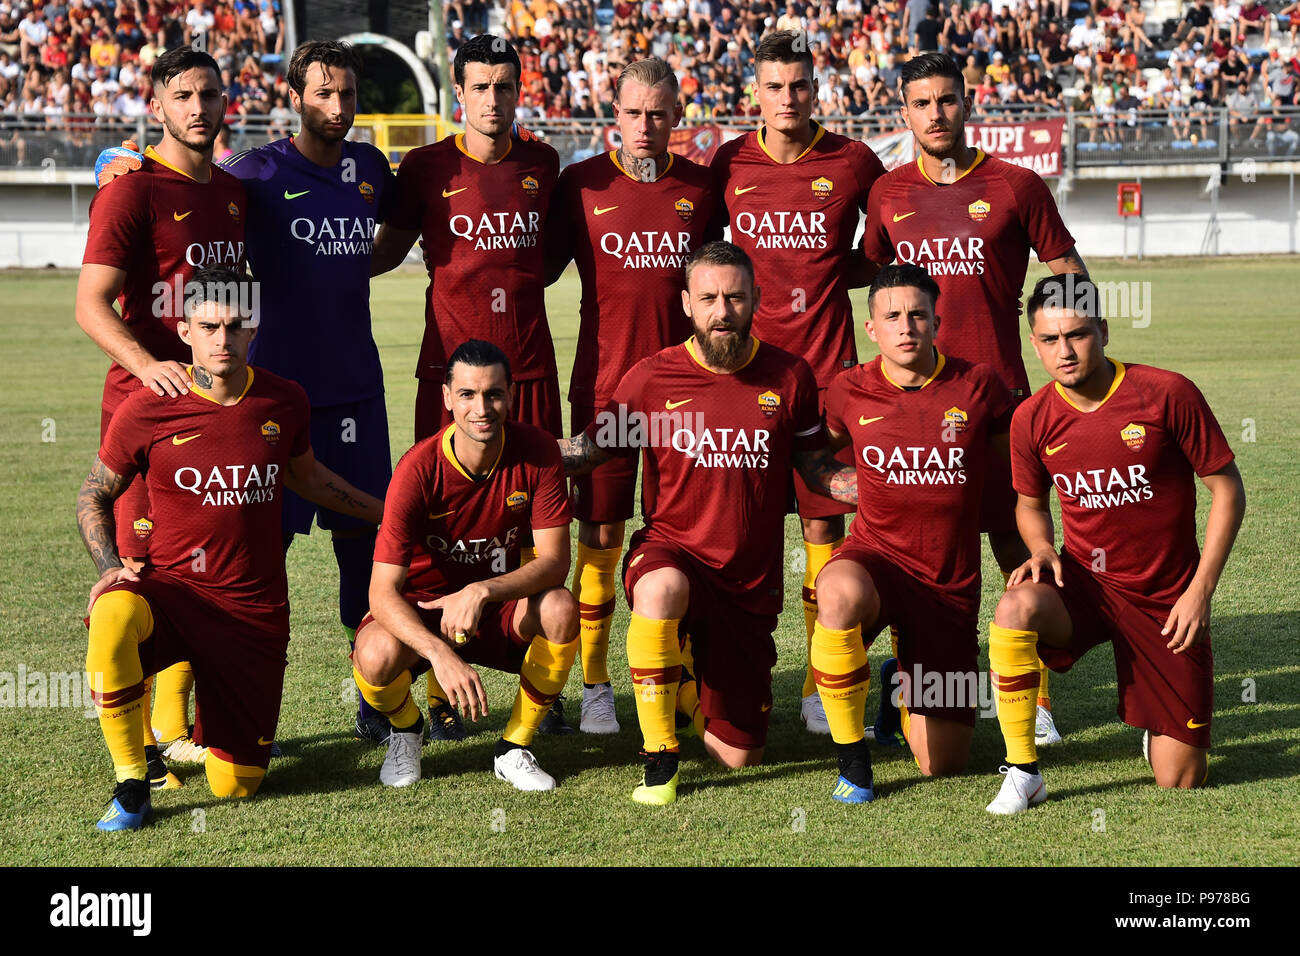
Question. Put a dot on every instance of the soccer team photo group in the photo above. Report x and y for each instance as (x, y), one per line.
(686, 510)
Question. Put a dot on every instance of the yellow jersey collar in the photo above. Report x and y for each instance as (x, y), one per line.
(613, 155)
(449, 452)
(189, 369)
(820, 131)
(920, 165)
(1114, 384)
(938, 367)
(690, 348)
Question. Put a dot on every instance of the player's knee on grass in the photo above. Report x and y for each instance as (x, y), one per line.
(228, 779)
(377, 655)
(1176, 765)
(733, 758)
(846, 596)
(663, 594)
(941, 747)
(557, 610)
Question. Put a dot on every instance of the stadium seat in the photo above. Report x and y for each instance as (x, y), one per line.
(1087, 147)
(1208, 144)
(1181, 144)
(1112, 147)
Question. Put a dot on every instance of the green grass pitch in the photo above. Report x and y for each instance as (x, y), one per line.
(1225, 323)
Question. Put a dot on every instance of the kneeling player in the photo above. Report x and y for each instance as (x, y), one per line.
(447, 588)
(1121, 444)
(708, 561)
(923, 427)
(215, 594)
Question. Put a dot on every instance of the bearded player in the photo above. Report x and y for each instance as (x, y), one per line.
(217, 459)
(478, 201)
(1121, 444)
(628, 218)
(448, 589)
(794, 193)
(149, 232)
(923, 427)
(722, 418)
(970, 220)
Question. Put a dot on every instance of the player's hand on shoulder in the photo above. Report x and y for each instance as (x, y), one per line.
(166, 378)
(1041, 564)
(117, 161)
(107, 580)
(1189, 620)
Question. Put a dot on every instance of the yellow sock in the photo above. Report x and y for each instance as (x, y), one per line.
(171, 701)
(146, 707)
(541, 678)
(119, 621)
(433, 690)
(1044, 695)
(392, 700)
(526, 555)
(655, 659)
(816, 556)
(593, 588)
(839, 663)
(1013, 661)
(233, 779)
(688, 691)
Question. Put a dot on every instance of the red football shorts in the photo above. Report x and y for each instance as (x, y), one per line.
(131, 509)
(938, 634)
(496, 644)
(733, 647)
(537, 402)
(608, 494)
(238, 670)
(1160, 691)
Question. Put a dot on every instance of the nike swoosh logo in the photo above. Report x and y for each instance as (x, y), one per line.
(898, 218)
(443, 515)
(1053, 451)
(263, 742)
(596, 210)
(765, 708)
(178, 216)
(1193, 725)
(178, 440)
(740, 192)
(448, 193)
(868, 421)
(671, 405)
(289, 195)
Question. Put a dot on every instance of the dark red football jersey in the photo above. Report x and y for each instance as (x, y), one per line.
(450, 529)
(160, 226)
(973, 236)
(630, 240)
(1124, 475)
(922, 456)
(797, 222)
(215, 475)
(718, 453)
(481, 227)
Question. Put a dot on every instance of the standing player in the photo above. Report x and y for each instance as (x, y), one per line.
(448, 589)
(923, 426)
(628, 218)
(708, 560)
(478, 200)
(970, 220)
(794, 192)
(216, 460)
(1121, 445)
(149, 233)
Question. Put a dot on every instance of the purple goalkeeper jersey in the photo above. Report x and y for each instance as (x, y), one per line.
(309, 235)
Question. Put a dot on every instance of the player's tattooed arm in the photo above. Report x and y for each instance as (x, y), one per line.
(95, 515)
(824, 474)
(310, 479)
(581, 455)
(1070, 262)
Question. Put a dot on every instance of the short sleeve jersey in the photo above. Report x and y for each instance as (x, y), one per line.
(215, 475)
(718, 450)
(973, 236)
(922, 454)
(797, 222)
(160, 226)
(1124, 475)
(310, 233)
(450, 528)
(482, 230)
(630, 240)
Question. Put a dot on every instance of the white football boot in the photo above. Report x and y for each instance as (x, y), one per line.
(402, 763)
(814, 716)
(598, 716)
(1045, 732)
(1019, 792)
(519, 768)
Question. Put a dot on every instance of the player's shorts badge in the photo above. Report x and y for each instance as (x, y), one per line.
(233, 210)
(978, 210)
(271, 431)
(955, 418)
(1135, 436)
(769, 402)
(516, 500)
(142, 527)
(685, 208)
(821, 187)
(367, 192)
(530, 185)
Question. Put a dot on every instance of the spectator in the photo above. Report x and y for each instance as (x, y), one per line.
(1254, 18)
(1133, 31)
(928, 30)
(1195, 24)
(1280, 130)
(1243, 110)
